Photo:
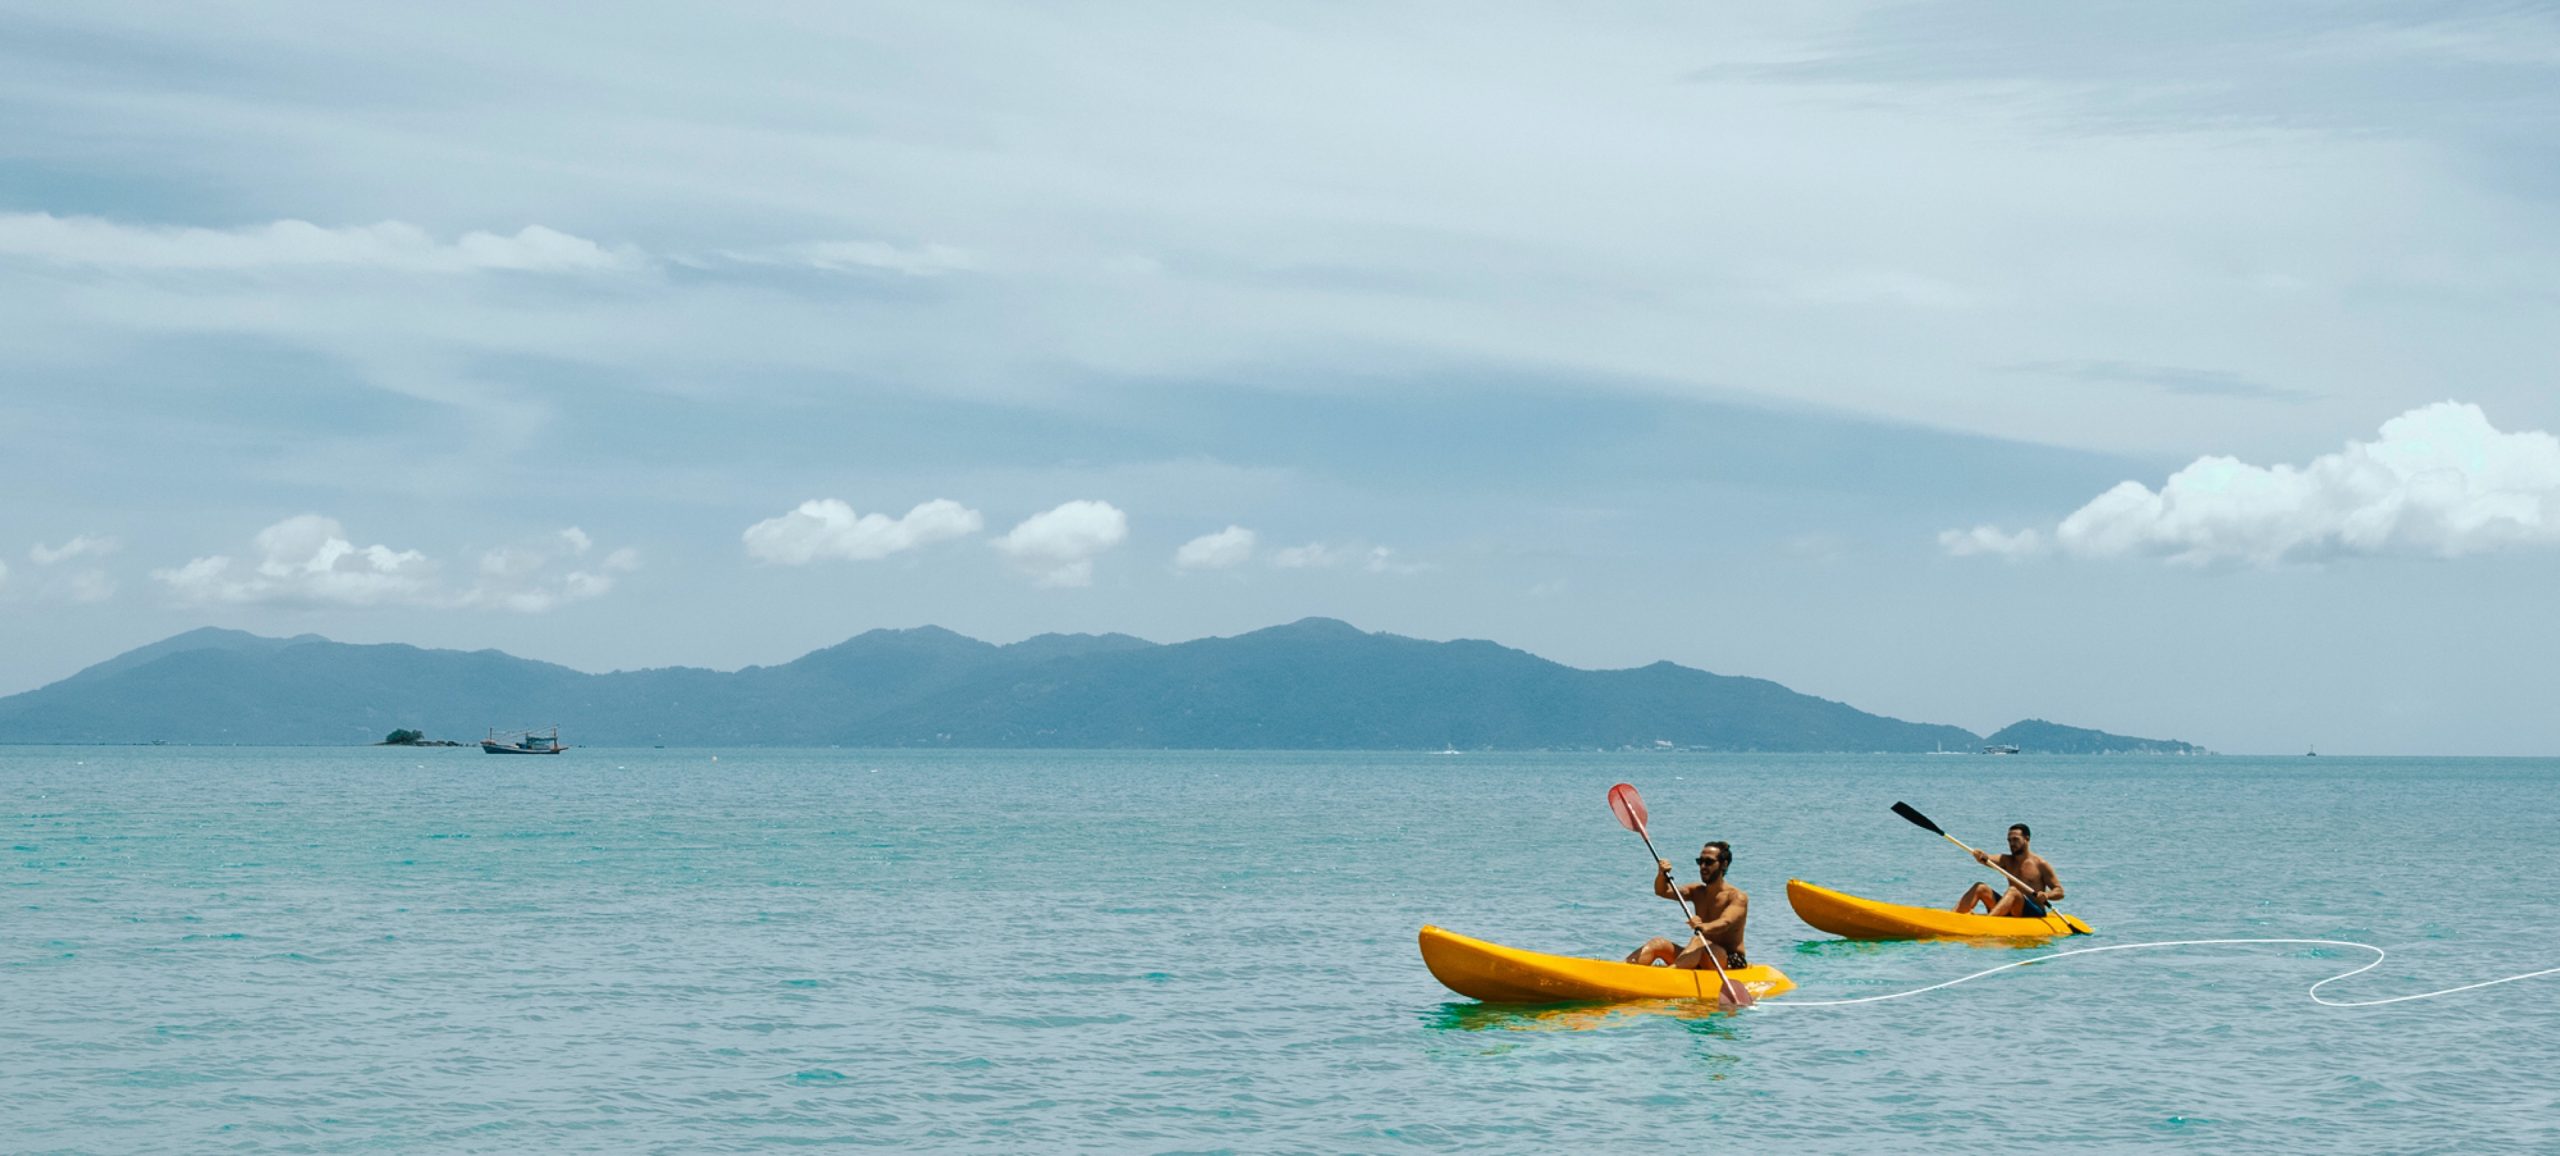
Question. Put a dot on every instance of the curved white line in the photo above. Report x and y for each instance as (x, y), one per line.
(2314, 991)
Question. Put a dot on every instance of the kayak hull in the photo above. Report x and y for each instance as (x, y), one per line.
(1852, 917)
(1497, 974)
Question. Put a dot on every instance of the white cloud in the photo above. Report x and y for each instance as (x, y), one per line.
(829, 528)
(395, 244)
(90, 545)
(1226, 549)
(1384, 561)
(2439, 480)
(1328, 556)
(1312, 556)
(80, 586)
(508, 562)
(1058, 547)
(1991, 540)
(860, 256)
(97, 243)
(518, 577)
(309, 560)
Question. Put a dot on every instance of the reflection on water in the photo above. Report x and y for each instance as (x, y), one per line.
(1890, 948)
(1569, 1017)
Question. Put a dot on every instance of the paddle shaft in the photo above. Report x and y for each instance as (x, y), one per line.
(1724, 983)
(2049, 912)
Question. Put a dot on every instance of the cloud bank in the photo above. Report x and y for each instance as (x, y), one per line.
(55, 580)
(1991, 540)
(1383, 560)
(309, 560)
(84, 545)
(1224, 550)
(1328, 556)
(823, 528)
(1058, 547)
(2439, 480)
(516, 577)
(98, 243)
(930, 260)
(306, 559)
(1312, 556)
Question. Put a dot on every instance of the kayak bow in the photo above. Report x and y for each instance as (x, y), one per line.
(1497, 974)
(1852, 917)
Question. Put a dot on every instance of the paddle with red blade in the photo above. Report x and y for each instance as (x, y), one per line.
(1629, 807)
(2071, 924)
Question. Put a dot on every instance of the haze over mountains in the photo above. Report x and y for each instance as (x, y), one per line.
(1312, 684)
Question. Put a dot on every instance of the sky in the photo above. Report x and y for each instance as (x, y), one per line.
(2182, 370)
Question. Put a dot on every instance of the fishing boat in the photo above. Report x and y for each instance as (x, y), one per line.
(522, 743)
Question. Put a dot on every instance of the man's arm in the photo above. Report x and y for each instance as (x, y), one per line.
(2052, 882)
(1662, 879)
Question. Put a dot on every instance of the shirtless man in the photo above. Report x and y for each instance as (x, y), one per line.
(2024, 864)
(1721, 910)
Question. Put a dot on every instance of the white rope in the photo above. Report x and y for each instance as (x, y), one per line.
(2314, 992)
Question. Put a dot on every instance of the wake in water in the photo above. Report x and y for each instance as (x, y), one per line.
(2314, 991)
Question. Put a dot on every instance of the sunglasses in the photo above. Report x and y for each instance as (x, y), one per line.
(1708, 860)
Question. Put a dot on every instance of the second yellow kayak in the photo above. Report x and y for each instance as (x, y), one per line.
(1851, 917)
(1497, 974)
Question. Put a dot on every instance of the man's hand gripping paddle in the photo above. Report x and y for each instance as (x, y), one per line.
(2071, 924)
(1629, 807)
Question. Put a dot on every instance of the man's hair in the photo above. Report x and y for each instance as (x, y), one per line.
(1724, 851)
(2021, 828)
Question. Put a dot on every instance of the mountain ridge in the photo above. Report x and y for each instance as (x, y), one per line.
(1316, 683)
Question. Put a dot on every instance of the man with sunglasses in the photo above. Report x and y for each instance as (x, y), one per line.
(1720, 911)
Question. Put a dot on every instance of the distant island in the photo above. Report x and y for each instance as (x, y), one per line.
(1316, 684)
(2042, 737)
(410, 738)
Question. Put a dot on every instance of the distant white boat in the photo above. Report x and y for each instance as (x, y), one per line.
(1999, 749)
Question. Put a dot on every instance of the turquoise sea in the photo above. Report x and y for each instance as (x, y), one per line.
(306, 950)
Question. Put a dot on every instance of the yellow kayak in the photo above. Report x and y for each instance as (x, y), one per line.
(1849, 916)
(1497, 974)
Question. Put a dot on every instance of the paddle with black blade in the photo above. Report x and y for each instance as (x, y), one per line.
(1629, 807)
(2072, 924)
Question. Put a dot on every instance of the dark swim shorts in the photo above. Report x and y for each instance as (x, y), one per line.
(1734, 960)
(2032, 909)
